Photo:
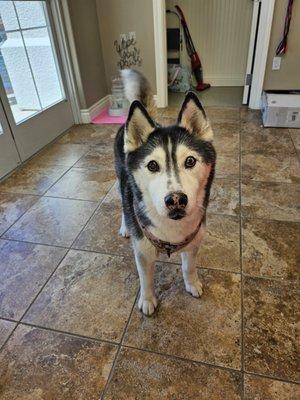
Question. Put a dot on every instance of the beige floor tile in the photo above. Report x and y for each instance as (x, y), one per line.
(226, 138)
(99, 157)
(36, 364)
(220, 248)
(277, 201)
(91, 134)
(270, 167)
(261, 140)
(90, 294)
(24, 268)
(206, 329)
(102, 232)
(58, 154)
(258, 388)
(12, 206)
(295, 134)
(83, 184)
(224, 197)
(52, 221)
(270, 338)
(32, 178)
(145, 376)
(271, 248)
(227, 166)
(250, 115)
(6, 327)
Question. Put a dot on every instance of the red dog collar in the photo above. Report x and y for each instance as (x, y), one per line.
(167, 247)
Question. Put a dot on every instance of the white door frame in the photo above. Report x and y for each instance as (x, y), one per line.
(63, 30)
(261, 52)
(160, 47)
(250, 57)
(262, 46)
(61, 19)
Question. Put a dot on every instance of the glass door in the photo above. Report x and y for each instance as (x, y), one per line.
(33, 89)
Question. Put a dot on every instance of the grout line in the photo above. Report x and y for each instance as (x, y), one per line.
(41, 195)
(92, 215)
(174, 357)
(119, 349)
(72, 198)
(241, 266)
(45, 196)
(43, 286)
(272, 377)
(76, 335)
(158, 261)
(297, 152)
(38, 153)
(36, 243)
(35, 297)
(179, 358)
(6, 230)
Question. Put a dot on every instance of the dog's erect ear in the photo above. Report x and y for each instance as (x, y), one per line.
(138, 127)
(192, 117)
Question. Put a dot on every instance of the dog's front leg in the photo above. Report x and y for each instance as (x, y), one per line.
(145, 255)
(189, 271)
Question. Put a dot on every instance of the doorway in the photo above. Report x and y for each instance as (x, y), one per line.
(35, 103)
(227, 35)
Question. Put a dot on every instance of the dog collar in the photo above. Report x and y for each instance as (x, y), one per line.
(167, 247)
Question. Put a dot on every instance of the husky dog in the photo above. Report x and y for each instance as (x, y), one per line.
(165, 175)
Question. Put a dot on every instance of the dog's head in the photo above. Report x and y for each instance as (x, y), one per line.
(171, 165)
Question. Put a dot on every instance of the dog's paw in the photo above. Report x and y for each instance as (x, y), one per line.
(195, 288)
(147, 306)
(123, 232)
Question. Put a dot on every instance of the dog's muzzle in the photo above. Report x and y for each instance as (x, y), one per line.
(176, 202)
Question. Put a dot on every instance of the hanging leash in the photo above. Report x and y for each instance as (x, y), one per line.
(282, 47)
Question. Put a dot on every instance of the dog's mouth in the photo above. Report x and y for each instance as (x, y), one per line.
(177, 214)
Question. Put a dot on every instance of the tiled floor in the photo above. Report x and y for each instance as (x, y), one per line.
(69, 325)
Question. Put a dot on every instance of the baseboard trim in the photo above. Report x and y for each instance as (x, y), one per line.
(87, 114)
(225, 80)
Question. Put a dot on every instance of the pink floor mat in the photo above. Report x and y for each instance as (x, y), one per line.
(105, 118)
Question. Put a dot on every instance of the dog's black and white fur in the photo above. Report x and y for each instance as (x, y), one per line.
(165, 175)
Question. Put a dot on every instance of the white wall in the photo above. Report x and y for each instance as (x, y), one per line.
(220, 30)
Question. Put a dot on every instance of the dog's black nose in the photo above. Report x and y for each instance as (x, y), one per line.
(176, 200)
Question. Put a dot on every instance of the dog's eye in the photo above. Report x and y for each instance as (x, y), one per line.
(190, 162)
(153, 166)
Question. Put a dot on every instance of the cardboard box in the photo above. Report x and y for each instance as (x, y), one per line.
(281, 109)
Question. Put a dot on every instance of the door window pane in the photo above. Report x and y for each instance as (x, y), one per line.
(43, 66)
(28, 65)
(8, 16)
(30, 14)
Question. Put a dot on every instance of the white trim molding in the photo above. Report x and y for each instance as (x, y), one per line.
(63, 24)
(261, 52)
(87, 114)
(160, 46)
